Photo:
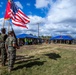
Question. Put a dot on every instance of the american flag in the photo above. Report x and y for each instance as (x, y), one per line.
(17, 16)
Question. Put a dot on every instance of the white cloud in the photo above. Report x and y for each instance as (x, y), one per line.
(1, 21)
(36, 19)
(61, 19)
(19, 4)
(42, 3)
(32, 26)
(62, 10)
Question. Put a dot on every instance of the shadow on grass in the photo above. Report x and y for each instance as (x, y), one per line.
(26, 60)
(21, 57)
(29, 64)
(34, 63)
(53, 56)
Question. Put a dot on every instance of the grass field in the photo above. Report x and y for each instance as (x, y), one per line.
(45, 59)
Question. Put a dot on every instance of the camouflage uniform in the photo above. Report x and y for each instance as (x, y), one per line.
(11, 51)
(2, 49)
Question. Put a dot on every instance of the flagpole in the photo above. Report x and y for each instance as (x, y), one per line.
(4, 19)
(14, 33)
(3, 23)
(9, 27)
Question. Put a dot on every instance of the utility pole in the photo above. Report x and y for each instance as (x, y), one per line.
(38, 29)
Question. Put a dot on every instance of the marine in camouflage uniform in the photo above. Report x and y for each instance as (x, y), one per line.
(3, 37)
(11, 48)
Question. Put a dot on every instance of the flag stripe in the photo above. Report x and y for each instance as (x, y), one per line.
(25, 21)
(24, 15)
(16, 15)
(18, 24)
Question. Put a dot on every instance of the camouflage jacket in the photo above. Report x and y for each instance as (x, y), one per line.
(2, 40)
(9, 42)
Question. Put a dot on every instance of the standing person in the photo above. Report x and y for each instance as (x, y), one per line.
(11, 46)
(3, 37)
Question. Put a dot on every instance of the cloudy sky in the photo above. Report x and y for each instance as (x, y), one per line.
(55, 17)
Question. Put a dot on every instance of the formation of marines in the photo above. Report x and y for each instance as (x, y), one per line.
(7, 48)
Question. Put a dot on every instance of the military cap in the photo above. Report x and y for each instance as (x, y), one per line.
(3, 29)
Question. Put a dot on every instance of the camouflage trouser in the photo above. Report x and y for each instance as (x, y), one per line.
(3, 56)
(11, 58)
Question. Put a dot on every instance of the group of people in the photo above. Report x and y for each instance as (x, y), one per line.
(8, 48)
